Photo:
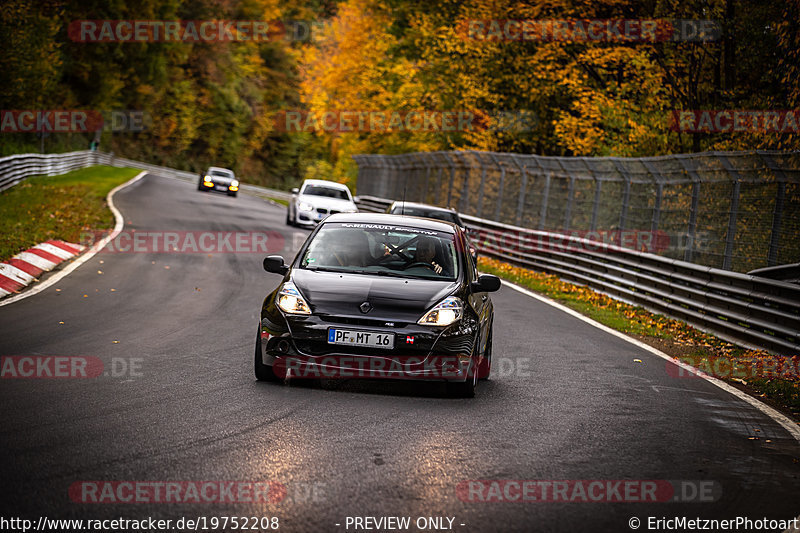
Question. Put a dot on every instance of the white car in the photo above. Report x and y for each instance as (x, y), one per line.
(315, 200)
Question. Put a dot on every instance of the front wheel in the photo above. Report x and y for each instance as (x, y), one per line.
(263, 372)
(458, 389)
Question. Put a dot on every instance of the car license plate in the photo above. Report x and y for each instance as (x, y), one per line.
(368, 339)
(221, 187)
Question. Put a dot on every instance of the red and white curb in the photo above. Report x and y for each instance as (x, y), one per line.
(26, 267)
(87, 255)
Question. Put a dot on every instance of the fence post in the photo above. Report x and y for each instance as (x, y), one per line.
(450, 164)
(499, 187)
(479, 212)
(659, 195)
(626, 195)
(522, 188)
(597, 192)
(729, 240)
(463, 202)
(691, 230)
(428, 169)
(777, 211)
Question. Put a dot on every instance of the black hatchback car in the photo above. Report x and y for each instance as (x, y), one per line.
(379, 296)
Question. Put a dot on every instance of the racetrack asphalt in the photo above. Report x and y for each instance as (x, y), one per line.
(176, 334)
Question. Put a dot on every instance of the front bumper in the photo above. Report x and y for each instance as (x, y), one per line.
(220, 187)
(419, 353)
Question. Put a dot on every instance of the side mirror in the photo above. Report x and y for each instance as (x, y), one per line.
(486, 283)
(295, 190)
(274, 264)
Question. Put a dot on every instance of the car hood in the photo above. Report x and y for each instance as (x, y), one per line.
(393, 299)
(327, 203)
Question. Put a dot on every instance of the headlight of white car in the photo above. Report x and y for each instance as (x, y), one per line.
(235, 183)
(304, 206)
(444, 313)
(291, 301)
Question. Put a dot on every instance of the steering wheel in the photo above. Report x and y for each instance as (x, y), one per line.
(419, 263)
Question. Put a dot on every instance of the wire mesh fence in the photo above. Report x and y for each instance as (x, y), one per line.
(733, 210)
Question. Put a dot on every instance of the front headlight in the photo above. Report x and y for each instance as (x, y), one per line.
(235, 183)
(446, 312)
(305, 206)
(291, 301)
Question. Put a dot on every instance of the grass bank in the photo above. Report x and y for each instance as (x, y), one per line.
(57, 207)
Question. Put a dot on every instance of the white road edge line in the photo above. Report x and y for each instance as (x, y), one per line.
(119, 224)
(777, 416)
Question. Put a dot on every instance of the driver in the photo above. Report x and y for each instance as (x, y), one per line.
(426, 252)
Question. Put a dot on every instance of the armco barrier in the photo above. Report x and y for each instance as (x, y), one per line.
(16, 168)
(749, 310)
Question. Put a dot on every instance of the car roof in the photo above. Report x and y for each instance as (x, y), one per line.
(424, 206)
(397, 220)
(327, 184)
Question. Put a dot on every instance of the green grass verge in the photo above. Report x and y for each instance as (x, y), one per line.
(57, 207)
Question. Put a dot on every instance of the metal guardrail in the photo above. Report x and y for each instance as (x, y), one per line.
(731, 210)
(748, 310)
(16, 168)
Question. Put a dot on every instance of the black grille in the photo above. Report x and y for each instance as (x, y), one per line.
(360, 321)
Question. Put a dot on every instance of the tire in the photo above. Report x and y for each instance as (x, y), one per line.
(485, 368)
(288, 220)
(459, 389)
(263, 372)
(232, 194)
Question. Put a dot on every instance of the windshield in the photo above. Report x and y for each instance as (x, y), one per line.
(222, 173)
(328, 192)
(384, 250)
